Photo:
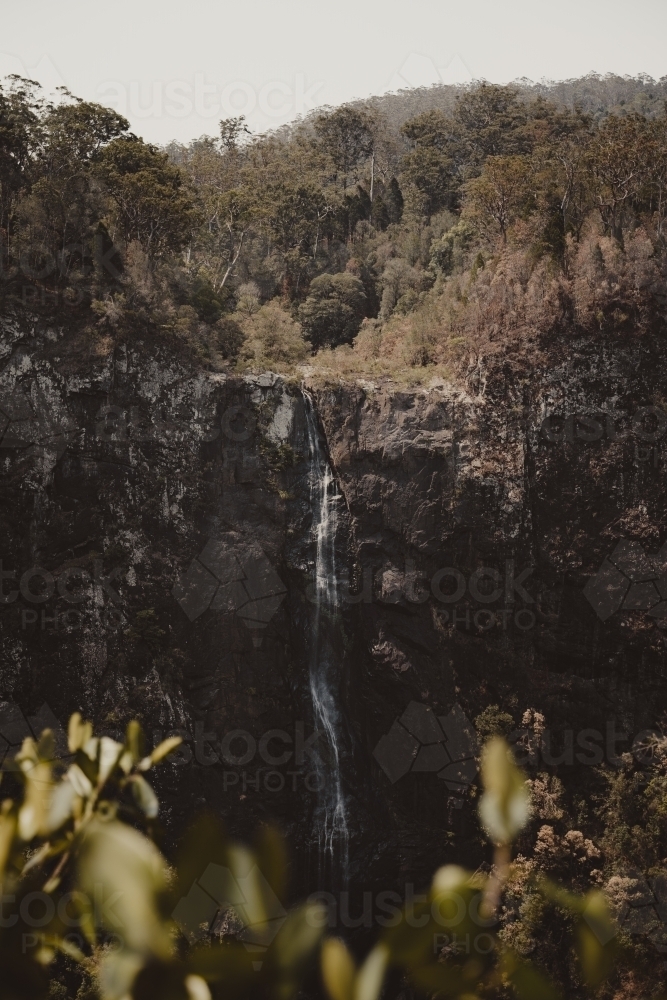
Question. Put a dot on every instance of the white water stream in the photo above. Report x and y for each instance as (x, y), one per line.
(331, 817)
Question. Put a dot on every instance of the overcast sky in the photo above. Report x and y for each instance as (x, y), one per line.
(175, 68)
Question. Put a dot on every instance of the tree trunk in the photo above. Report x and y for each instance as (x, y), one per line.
(372, 176)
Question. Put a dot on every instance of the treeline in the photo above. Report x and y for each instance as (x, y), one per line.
(502, 209)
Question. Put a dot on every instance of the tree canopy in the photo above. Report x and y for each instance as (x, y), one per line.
(353, 216)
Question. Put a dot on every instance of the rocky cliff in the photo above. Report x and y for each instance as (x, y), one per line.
(499, 544)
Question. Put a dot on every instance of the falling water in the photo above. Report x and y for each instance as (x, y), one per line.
(331, 820)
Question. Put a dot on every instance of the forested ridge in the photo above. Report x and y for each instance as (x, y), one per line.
(388, 235)
(395, 237)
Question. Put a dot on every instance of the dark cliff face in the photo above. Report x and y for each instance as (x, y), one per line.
(115, 479)
(513, 534)
(157, 557)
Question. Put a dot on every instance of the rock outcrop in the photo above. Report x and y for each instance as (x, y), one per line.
(157, 562)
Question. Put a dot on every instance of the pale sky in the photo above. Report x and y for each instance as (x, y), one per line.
(175, 68)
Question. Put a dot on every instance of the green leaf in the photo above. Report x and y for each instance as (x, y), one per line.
(338, 969)
(34, 811)
(159, 980)
(272, 858)
(436, 977)
(118, 970)
(197, 988)
(204, 844)
(7, 834)
(504, 808)
(528, 982)
(368, 983)
(259, 904)
(109, 753)
(133, 740)
(86, 763)
(46, 748)
(229, 963)
(78, 732)
(123, 873)
(299, 935)
(86, 918)
(90, 749)
(79, 781)
(163, 749)
(411, 940)
(449, 878)
(60, 806)
(144, 796)
(596, 935)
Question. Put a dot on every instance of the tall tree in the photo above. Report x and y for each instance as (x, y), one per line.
(62, 204)
(494, 198)
(489, 121)
(152, 203)
(19, 140)
(427, 170)
(656, 171)
(617, 162)
(346, 135)
(293, 214)
(333, 310)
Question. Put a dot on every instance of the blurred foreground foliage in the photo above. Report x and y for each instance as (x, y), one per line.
(85, 888)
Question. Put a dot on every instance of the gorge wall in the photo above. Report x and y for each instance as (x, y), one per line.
(499, 542)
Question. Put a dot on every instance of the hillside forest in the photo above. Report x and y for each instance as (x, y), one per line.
(403, 237)
(391, 236)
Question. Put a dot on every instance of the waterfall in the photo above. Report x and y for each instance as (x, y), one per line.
(324, 670)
